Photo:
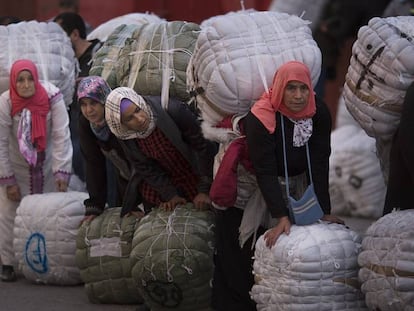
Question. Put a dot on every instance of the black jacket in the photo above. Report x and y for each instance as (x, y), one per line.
(95, 153)
(263, 147)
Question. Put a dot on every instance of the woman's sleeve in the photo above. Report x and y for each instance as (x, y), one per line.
(6, 172)
(261, 146)
(203, 149)
(320, 150)
(143, 168)
(95, 164)
(60, 135)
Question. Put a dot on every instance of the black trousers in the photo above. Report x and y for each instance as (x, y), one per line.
(233, 278)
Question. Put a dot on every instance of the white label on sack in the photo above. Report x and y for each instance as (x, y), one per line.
(105, 247)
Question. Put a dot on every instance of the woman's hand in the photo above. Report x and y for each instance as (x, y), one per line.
(271, 235)
(332, 218)
(172, 203)
(202, 201)
(13, 193)
(61, 185)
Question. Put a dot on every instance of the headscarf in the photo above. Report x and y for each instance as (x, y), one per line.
(38, 104)
(113, 113)
(272, 101)
(93, 87)
(97, 89)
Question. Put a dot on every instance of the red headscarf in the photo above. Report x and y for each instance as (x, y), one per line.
(38, 104)
(271, 102)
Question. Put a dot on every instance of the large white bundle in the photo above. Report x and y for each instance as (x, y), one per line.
(356, 184)
(103, 31)
(387, 263)
(45, 232)
(308, 9)
(313, 268)
(237, 54)
(380, 71)
(48, 46)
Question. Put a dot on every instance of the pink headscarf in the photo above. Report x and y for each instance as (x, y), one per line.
(271, 102)
(38, 104)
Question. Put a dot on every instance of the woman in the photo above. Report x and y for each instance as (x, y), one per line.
(171, 160)
(104, 156)
(306, 120)
(35, 148)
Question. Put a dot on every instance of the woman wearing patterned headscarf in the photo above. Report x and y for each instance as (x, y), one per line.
(172, 161)
(104, 157)
(35, 148)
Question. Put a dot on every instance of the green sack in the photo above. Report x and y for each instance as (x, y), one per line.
(172, 258)
(103, 248)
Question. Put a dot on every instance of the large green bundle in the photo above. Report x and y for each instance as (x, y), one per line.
(155, 60)
(106, 58)
(172, 258)
(103, 248)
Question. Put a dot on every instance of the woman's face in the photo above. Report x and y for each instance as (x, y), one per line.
(296, 95)
(25, 85)
(135, 119)
(92, 110)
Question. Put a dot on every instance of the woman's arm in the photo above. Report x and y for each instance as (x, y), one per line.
(262, 152)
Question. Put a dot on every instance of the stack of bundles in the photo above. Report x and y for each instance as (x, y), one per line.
(172, 258)
(381, 69)
(48, 46)
(237, 55)
(356, 184)
(105, 60)
(103, 31)
(310, 9)
(45, 231)
(155, 59)
(103, 247)
(387, 263)
(313, 268)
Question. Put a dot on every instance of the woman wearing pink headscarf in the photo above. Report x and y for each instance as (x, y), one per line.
(306, 120)
(35, 148)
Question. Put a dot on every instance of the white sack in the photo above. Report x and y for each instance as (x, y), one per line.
(387, 263)
(313, 268)
(45, 231)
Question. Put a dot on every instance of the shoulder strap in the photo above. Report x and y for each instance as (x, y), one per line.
(285, 158)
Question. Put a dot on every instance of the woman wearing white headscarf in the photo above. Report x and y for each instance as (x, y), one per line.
(170, 159)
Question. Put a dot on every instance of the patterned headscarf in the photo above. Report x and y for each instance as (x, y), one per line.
(38, 104)
(113, 113)
(93, 87)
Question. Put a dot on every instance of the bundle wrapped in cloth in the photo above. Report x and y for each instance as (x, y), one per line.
(237, 54)
(151, 58)
(172, 258)
(356, 184)
(44, 241)
(387, 262)
(48, 46)
(380, 71)
(313, 268)
(103, 247)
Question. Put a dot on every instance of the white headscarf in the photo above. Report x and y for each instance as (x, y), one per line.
(113, 113)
